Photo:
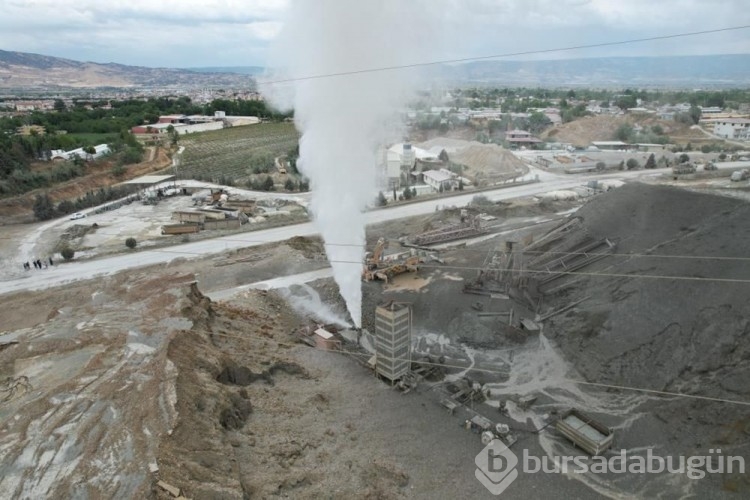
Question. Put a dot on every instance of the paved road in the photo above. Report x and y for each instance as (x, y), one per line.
(73, 271)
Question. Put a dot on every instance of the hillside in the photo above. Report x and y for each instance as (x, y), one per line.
(582, 132)
(25, 70)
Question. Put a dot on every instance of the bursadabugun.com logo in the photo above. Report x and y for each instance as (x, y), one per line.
(498, 466)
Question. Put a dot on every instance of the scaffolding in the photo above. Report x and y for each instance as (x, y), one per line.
(393, 322)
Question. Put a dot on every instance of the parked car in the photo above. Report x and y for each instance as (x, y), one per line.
(77, 215)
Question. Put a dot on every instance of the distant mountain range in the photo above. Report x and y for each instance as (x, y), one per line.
(23, 70)
(673, 71)
(240, 70)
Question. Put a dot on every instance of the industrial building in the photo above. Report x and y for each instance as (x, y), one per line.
(392, 340)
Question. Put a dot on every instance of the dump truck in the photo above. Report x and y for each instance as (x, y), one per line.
(585, 432)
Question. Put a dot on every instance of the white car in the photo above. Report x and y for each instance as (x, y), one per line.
(77, 215)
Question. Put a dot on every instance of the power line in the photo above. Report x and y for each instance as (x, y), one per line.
(505, 55)
(464, 250)
(528, 271)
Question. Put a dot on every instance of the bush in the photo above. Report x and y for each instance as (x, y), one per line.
(684, 158)
(67, 253)
(131, 243)
(632, 164)
(480, 200)
(118, 170)
(381, 201)
(722, 156)
(43, 207)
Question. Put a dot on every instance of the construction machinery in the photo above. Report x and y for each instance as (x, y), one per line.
(385, 269)
(468, 228)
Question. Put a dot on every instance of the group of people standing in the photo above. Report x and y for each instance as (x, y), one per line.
(38, 264)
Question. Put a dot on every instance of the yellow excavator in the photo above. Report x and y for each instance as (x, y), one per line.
(377, 268)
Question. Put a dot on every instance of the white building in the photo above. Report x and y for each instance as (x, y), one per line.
(437, 178)
(99, 151)
(734, 128)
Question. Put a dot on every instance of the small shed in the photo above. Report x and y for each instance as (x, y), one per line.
(527, 324)
(325, 340)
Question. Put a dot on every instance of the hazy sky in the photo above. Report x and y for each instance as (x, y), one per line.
(192, 33)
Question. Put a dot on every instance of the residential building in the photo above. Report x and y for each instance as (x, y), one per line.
(735, 128)
(520, 137)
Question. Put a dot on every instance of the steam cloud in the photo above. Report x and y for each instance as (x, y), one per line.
(344, 119)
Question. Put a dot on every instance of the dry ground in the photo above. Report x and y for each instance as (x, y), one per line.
(582, 132)
(141, 368)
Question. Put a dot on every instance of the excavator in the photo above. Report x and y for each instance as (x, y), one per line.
(377, 268)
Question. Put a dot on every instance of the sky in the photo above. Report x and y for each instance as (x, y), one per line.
(210, 33)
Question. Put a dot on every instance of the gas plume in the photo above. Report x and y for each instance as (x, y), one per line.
(345, 119)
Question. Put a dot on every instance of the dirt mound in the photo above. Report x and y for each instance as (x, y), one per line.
(643, 216)
(670, 310)
(310, 247)
(582, 132)
(483, 162)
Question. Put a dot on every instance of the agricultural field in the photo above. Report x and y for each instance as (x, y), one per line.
(230, 154)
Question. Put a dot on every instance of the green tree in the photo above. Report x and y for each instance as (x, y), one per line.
(43, 207)
(626, 101)
(538, 122)
(443, 156)
(59, 105)
(267, 184)
(131, 243)
(695, 114)
(684, 158)
(651, 162)
(407, 193)
(625, 133)
(289, 185)
(460, 184)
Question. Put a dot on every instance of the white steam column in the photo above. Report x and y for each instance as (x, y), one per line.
(344, 119)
